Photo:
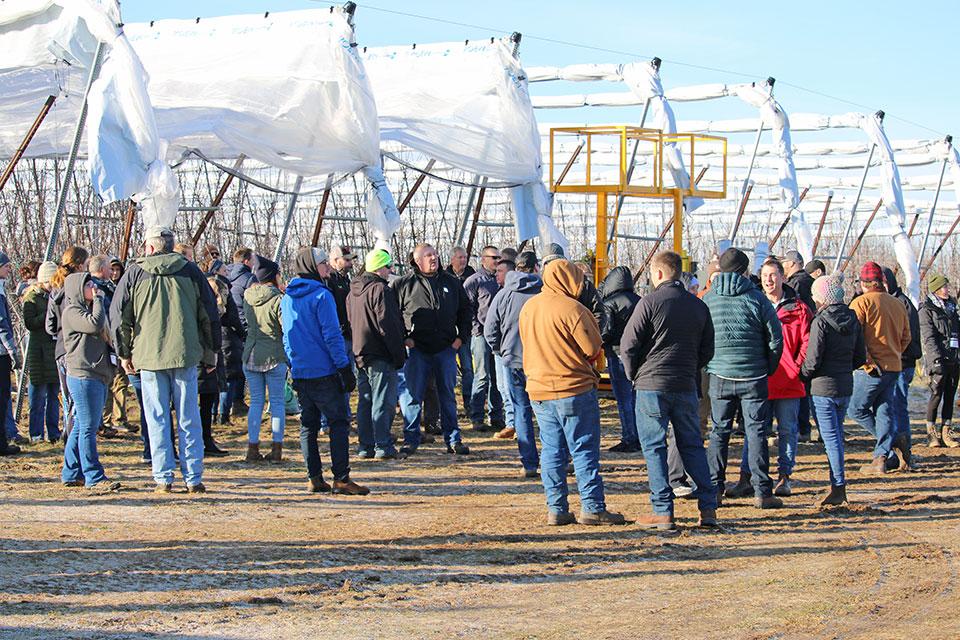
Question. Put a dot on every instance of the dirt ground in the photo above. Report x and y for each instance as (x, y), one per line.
(458, 547)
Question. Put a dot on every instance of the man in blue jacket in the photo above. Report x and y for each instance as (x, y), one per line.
(321, 371)
(748, 345)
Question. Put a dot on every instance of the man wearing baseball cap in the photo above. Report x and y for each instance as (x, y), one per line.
(886, 334)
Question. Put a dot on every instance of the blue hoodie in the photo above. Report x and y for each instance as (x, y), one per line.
(311, 330)
(502, 327)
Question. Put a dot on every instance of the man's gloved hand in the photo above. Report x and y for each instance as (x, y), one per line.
(347, 379)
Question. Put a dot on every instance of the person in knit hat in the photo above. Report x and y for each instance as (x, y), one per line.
(834, 350)
(41, 358)
(886, 334)
(940, 331)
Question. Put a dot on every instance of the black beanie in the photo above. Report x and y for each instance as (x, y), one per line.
(265, 269)
(734, 261)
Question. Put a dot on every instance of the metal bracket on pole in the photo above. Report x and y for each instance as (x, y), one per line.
(853, 211)
(72, 159)
(936, 197)
(32, 131)
(515, 38)
(282, 240)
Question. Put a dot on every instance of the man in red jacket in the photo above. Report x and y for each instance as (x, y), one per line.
(785, 388)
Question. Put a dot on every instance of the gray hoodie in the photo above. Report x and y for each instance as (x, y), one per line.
(502, 327)
(84, 329)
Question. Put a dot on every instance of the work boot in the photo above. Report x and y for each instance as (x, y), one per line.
(253, 453)
(196, 488)
(742, 489)
(657, 522)
(624, 447)
(560, 519)
(10, 450)
(276, 452)
(901, 447)
(708, 519)
(877, 467)
(349, 488)
(529, 473)
(432, 428)
(950, 437)
(482, 427)
(163, 487)
(507, 433)
(783, 486)
(458, 448)
(318, 485)
(836, 497)
(934, 438)
(767, 502)
(602, 517)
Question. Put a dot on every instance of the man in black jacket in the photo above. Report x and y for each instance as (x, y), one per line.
(619, 301)
(901, 391)
(436, 315)
(459, 268)
(798, 279)
(668, 339)
(377, 337)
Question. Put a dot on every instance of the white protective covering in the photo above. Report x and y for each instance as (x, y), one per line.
(49, 48)
(644, 81)
(287, 89)
(466, 105)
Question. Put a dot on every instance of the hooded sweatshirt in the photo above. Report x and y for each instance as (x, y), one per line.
(835, 349)
(240, 278)
(886, 329)
(560, 337)
(619, 301)
(795, 318)
(85, 332)
(910, 355)
(375, 321)
(502, 328)
(748, 339)
(263, 347)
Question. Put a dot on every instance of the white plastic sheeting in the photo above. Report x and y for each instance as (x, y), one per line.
(49, 48)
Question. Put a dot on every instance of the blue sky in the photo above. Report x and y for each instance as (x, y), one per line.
(897, 56)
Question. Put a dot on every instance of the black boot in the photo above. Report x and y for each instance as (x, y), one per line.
(210, 447)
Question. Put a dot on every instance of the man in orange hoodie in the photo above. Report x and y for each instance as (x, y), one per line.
(561, 341)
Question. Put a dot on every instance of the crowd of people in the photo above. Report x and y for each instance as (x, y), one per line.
(192, 337)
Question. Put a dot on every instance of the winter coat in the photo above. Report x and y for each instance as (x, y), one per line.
(311, 331)
(86, 333)
(802, 284)
(502, 328)
(41, 352)
(835, 350)
(264, 343)
(240, 278)
(795, 318)
(938, 324)
(747, 332)
(164, 315)
(886, 329)
(52, 322)
(211, 382)
(667, 340)
(467, 272)
(913, 352)
(481, 287)
(234, 333)
(435, 309)
(339, 285)
(375, 321)
(617, 305)
(8, 341)
(590, 298)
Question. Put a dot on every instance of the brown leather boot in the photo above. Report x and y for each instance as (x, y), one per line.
(934, 438)
(349, 488)
(276, 452)
(318, 485)
(600, 518)
(507, 433)
(836, 497)
(877, 467)
(742, 489)
(950, 437)
(656, 522)
(253, 453)
(560, 519)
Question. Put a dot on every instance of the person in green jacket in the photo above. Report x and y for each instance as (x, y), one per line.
(41, 358)
(264, 360)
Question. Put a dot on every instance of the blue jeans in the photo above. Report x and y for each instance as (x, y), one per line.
(261, 383)
(504, 388)
(12, 432)
(830, 413)
(901, 411)
(233, 391)
(45, 409)
(871, 406)
(159, 388)
(66, 401)
(420, 365)
(726, 396)
(655, 410)
(623, 392)
(324, 397)
(785, 410)
(376, 403)
(80, 459)
(571, 424)
(522, 418)
(484, 390)
(353, 365)
(465, 367)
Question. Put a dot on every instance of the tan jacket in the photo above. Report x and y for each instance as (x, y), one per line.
(560, 337)
(886, 329)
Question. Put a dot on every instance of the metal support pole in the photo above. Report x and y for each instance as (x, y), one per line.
(823, 220)
(72, 159)
(416, 186)
(743, 207)
(567, 167)
(44, 110)
(217, 199)
(747, 186)
(653, 251)
(282, 240)
(601, 259)
(853, 211)
(933, 208)
(630, 169)
(940, 247)
(863, 232)
(476, 218)
(127, 231)
(315, 240)
(786, 220)
(462, 231)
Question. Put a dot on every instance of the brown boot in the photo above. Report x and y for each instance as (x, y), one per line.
(950, 437)
(877, 467)
(602, 517)
(934, 438)
(742, 489)
(560, 519)
(318, 485)
(657, 522)
(349, 488)
(836, 497)
(253, 453)
(276, 452)
(507, 433)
